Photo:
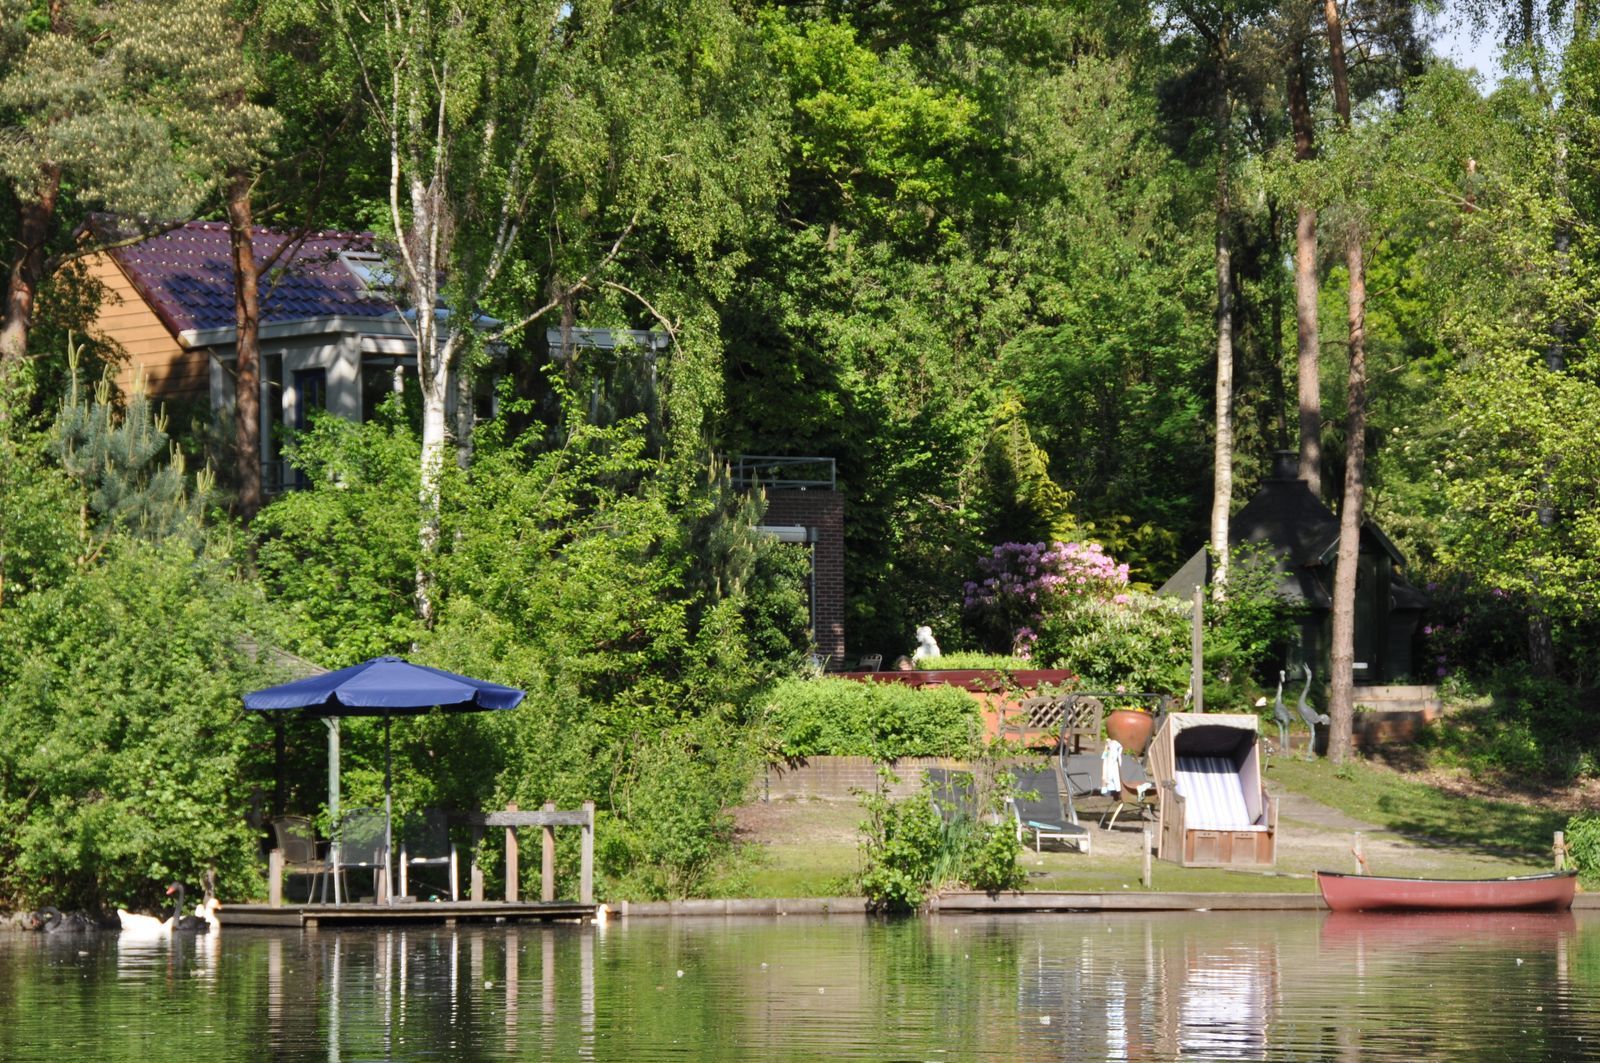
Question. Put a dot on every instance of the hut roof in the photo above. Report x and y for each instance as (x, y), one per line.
(1296, 527)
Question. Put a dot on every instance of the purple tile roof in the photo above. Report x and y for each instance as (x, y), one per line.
(186, 275)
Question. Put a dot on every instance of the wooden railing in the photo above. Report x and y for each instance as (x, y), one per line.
(547, 819)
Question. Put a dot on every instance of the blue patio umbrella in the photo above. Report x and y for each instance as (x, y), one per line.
(386, 687)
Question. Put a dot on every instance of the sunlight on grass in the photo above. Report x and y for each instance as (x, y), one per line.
(1417, 811)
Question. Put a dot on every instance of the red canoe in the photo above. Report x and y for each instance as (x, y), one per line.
(1366, 893)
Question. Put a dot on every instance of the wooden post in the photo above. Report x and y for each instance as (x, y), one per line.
(1146, 875)
(1361, 860)
(476, 871)
(1561, 850)
(1197, 671)
(275, 877)
(547, 863)
(511, 859)
(586, 869)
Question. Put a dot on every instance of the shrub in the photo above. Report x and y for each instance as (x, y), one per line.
(900, 848)
(1141, 644)
(910, 848)
(840, 717)
(1533, 728)
(1583, 845)
(996, 661)
(1023, 583)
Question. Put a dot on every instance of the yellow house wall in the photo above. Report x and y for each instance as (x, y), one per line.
(172, 374)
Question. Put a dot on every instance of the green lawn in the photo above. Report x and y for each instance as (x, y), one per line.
(1421, 813)
(811, 851)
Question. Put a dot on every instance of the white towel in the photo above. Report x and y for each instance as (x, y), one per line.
(1111, 767)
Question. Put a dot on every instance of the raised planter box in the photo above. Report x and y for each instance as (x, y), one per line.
(996, 691)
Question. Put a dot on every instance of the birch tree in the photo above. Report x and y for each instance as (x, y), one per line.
(527, 145)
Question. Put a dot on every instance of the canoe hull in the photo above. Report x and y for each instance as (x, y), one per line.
(1368, 893)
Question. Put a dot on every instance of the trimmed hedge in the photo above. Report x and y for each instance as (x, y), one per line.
(840, 717)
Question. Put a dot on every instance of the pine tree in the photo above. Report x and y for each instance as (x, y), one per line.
(135, 478)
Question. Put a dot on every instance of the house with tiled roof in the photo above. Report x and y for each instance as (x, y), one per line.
(330, 337)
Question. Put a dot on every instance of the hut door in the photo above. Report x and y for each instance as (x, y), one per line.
(1369, 620)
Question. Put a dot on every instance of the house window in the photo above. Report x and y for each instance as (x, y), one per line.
(310, 393)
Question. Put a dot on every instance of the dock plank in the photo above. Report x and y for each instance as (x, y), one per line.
(441, 912)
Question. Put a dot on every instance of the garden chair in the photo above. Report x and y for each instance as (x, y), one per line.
(427, 844)
(870, 662)
(1038, 807)
(954, 793)
(296, 839)
(359, 843)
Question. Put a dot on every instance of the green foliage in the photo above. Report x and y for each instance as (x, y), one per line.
(1253, 622)
(962, 661)
(991, 864)
(1140, 645)
(912, 846)
(40, 510)
(342, 554)
(900, 846)
(123, 748)
(886, 720)
(1532, 728)
(1583, 846)
(673, 827)
(134, 481)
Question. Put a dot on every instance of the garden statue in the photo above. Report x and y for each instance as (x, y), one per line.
(1311, 717)
(926, 647)
(1281, 715)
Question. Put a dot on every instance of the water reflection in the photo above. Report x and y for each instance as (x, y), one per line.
(1158, 987)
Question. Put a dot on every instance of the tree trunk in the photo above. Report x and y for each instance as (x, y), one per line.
(1222, 478)
(433, 376)
(1278, 429)
(1309, 373)
(1341, 701)
(34, 217)
(247, 327)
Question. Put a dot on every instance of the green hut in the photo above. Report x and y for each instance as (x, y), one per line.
(1303, 535)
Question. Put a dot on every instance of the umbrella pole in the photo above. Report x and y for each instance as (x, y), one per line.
(388, 819)
(332, 724)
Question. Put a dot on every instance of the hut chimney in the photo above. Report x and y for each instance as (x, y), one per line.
(1285, 465)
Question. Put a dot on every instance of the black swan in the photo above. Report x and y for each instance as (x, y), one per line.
(193, 924)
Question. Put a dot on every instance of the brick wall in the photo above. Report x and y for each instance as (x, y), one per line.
(824, 512)
(839, 778)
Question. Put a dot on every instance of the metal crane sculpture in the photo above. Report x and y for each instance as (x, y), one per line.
(1311, 718)
(1281, 715)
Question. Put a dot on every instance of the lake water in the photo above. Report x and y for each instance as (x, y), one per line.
(1115, 987)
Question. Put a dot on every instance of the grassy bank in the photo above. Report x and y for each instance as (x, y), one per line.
(801, 848)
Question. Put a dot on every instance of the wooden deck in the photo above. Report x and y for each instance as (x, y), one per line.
(446, 913)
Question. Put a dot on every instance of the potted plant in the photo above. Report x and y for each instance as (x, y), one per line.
(1132, 725)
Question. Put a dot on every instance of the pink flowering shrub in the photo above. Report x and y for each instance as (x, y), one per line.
(1020, 584)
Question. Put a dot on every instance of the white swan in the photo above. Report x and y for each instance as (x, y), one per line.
(143, 925)
(208, 911)
(149, 925)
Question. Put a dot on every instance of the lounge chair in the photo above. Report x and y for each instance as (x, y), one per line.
(954, 793)
(1084, 775)
(428, 844)
(296, 839)
(359, 843)
(1038, 807)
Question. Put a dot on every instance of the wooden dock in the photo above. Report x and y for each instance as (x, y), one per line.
(440, 913)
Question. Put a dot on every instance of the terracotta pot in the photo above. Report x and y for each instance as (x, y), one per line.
(1132, 728)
